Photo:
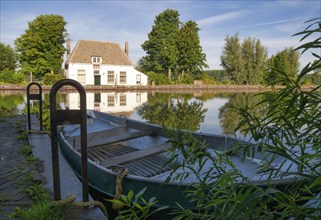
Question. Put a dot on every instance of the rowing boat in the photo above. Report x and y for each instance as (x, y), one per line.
(117, 143)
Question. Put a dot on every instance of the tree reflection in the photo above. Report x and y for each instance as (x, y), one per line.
(228, 114)
(173, 111)
(9, 104)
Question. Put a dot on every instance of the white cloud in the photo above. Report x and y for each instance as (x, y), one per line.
(220, 18)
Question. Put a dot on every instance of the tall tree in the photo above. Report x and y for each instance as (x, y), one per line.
(7, 57)
(285, 62)
(161, 48)
(254, 57)
(231, 59)
(248, 57)
(261, 61)
(191, 57)
(245, 62)
(40, 48)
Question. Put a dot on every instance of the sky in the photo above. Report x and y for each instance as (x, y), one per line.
(272, 22)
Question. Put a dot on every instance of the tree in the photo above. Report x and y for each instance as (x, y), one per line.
(40, 48)
(284, 63)
(231, 59)
(190, 58)
(161, 48)
(254, 57)
(246, 61)
(261, 61)
(7, 57)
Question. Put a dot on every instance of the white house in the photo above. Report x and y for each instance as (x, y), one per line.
(101, 63)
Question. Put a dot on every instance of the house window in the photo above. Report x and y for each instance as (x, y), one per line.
(122, 78)
(96, 72)
(122, 100)
(111, 77)
(110, 100)
(96, 60)
(81, 76)
(96, 66)
(138, 79)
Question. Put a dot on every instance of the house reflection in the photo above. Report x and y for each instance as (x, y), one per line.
(110, 102)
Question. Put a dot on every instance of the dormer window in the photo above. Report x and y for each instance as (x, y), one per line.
(95, 59)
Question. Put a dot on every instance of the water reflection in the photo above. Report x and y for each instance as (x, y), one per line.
(111, 102)
(174, 111)
(206, 112)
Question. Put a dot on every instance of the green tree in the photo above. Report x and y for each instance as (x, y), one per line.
(40, 48)
(191, 58)
(7, 57)
(246, 61)
(161, 48)
(254, 57)
(231, 59)
(284, 63)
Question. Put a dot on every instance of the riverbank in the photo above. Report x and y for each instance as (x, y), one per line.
(180, 88)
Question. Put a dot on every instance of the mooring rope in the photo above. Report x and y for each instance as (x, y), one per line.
(70, 200)
(119, 188)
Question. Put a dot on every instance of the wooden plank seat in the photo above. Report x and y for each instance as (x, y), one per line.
(135, 155)
(119, 138)
(75, 140)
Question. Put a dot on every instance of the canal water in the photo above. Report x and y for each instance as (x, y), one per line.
(205, 112)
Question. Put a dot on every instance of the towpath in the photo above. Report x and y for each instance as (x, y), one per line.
(13, 167)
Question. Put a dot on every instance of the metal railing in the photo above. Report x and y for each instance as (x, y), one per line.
(59, 117)
(34, 97)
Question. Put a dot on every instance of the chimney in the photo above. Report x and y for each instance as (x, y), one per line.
(68, 47)
(126, 48)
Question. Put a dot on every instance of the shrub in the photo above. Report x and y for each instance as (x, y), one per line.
(51, 79)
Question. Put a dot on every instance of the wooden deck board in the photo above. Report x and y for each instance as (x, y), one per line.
(120, 138)
(135, 155)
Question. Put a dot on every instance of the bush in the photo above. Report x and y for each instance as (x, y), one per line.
(10, 76)
(50, 79)
(159, 79)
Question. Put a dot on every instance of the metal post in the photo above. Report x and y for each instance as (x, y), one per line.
(72, 116)
(34, 97)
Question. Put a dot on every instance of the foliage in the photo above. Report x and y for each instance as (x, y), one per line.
(40, 49)
(161, 46)
(7, 58)
(286, 137)
(135, 206)
(191, 59)
(231, 59)
(158, 79)
(244, 62)
(51, 79)
(217, 75)
(11, 77)
(285, 62)
(173, 48)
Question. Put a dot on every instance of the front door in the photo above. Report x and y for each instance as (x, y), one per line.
(97, 80)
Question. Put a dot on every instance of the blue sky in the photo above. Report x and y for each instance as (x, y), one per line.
(273, 22)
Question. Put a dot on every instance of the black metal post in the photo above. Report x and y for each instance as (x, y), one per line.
(34, 97)
(76, 117)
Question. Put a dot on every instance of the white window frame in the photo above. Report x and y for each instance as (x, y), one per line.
(81, 76)
(111, 74)
(96, 59)
(122, 75)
